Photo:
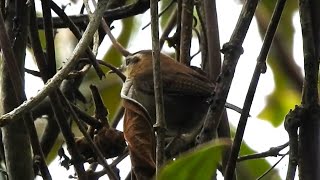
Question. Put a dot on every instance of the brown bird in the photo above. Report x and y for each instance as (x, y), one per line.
(185, 90)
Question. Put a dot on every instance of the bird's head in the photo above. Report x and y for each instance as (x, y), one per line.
(140, 61)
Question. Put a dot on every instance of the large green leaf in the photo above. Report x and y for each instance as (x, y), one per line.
(198, 164)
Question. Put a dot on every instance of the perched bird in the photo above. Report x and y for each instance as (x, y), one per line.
(185, 90)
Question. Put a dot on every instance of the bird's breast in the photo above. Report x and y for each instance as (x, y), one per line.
(182, 112)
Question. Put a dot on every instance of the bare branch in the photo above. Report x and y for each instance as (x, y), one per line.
(160, 125)
(260, 68)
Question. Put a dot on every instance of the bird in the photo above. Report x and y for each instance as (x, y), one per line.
(186, 91)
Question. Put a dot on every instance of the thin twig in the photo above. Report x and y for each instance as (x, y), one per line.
(160, 14)
(114, 41)
(274, 151)
(260, 68)
(110, 66)
(32, 72)
(272, 167)
(113, 69)
(158, 92)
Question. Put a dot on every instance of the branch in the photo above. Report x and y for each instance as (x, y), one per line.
(310, 123)
(63, 73)
(232, 50)
(211, 32)
(160, 125)
(48, 30)
(186, 31)
(260, 68)
(274, 151)
(139, 7)
(115, 43)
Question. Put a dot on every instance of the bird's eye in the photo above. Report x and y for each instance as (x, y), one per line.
(132, 60)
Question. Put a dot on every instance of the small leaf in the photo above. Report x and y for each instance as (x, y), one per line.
(198, 164)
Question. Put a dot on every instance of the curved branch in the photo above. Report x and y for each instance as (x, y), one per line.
(54, 82)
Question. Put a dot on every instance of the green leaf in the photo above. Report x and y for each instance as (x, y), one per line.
(198, 164)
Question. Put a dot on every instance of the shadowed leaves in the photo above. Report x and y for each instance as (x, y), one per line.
(110, 141)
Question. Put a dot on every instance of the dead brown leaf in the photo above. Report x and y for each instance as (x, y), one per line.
(140, 137)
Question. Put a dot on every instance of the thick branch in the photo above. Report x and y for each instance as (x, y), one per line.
(309, 133)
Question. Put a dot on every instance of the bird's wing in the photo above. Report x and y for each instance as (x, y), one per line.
(177, 81)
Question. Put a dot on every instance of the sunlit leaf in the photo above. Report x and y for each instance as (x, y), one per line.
(199, 164)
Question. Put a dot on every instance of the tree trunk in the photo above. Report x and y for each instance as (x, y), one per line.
(15, 137)
(309, 136)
